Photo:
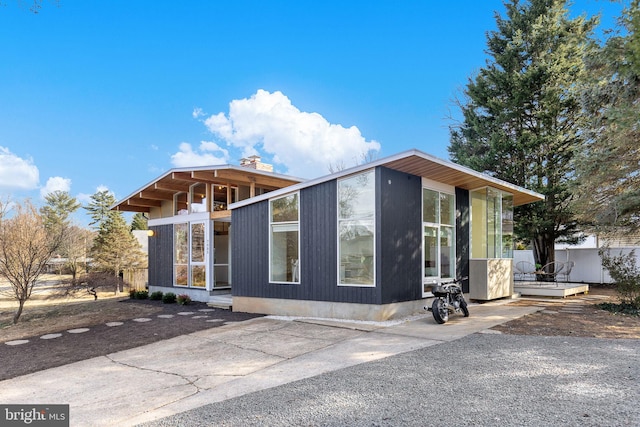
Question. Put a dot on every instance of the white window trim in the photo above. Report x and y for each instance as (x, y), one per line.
(375, 236)
(438, 187)
(207, 256)
(285, 223)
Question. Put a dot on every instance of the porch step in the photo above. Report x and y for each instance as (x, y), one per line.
(224, 301)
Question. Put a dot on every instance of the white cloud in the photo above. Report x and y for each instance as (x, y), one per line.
(209, 153)
(16, 172)
(56, 183)
(85, 198)
(197, 113)
(306, 144)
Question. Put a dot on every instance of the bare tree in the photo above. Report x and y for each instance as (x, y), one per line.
(25, 248)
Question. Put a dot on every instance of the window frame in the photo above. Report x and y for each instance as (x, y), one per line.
(368, 219)
(439, 189)
(285, 226)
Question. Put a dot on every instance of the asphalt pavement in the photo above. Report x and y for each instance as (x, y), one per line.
(277, 371)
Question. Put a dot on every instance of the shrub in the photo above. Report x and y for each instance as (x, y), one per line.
(624, 271)
(142, 294)
(169, 298)
(132, 293)
(184, 299)
(156, 296)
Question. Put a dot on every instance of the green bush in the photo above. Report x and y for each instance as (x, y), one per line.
(169, 298)
(624, 271)
(132, 293)
(156, 296)
(184, 299)
(142, 294)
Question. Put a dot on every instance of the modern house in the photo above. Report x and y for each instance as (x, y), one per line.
(364, 243)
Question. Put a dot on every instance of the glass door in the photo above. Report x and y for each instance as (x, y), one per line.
(221, 254)
(199, 254)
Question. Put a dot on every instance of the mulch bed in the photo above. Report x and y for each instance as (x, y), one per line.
(100, 340)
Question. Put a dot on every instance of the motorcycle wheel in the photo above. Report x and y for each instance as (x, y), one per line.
(440, 312)
(463, 307)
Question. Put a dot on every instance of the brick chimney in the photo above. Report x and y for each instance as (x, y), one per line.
(254, 162)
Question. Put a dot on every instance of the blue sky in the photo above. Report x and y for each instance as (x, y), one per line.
(111, 94)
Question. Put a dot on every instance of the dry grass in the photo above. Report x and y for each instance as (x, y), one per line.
(46, 311)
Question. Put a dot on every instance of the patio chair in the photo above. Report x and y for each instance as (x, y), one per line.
(566, 271)
(525, 270)
(551, 271)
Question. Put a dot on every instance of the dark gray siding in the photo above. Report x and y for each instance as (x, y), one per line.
(250, 249)
(398, 250)
(399, 236)
(463, 231)
(318, 252)
(161, 256)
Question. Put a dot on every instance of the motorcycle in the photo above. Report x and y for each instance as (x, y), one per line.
(449, 300)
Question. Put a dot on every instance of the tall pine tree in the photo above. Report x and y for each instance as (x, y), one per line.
(609, 171)
(522, 115)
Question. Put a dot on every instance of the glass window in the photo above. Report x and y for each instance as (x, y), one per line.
(198, 198)
(438, 239)
(181, 254)
(197, 242)
(447, 209)
(180, 204)
(219, 197)
(284, 250)
(190, 260)
(491, 224)
(430, 206)
(430, 245)
(356, 229)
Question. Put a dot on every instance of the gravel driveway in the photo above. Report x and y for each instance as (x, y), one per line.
(481, 379)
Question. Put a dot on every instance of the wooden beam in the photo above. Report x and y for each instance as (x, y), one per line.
(145, 203)
(171, 186)
(126, 208)
(155, 195)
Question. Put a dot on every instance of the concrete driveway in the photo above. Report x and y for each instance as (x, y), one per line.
(190, 371)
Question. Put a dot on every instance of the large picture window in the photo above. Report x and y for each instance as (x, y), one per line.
(491, 224)
(356, 230)
(284, 250)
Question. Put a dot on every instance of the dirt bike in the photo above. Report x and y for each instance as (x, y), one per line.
(449, 300)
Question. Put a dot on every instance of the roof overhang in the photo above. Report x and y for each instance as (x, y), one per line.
(416, 162)
(180, 180)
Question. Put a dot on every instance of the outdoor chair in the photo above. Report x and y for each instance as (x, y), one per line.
(551, 271)
(566, 271)
(525, 270)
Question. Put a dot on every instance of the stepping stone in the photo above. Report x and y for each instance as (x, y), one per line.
(78, 330)
(142, 319)
(50, 336)
(207, 310)
(199, 317)
(17, 342)
(165, 316)
(185, 313)
(549, 312)
(215, 320)
(111, 324)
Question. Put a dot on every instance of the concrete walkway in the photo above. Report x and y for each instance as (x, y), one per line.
(168, 377)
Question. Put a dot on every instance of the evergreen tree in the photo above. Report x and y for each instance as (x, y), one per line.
(59, 207)
(522, 115)
(609, 171)
(115, 248)
(139, 222)
(99, 209)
